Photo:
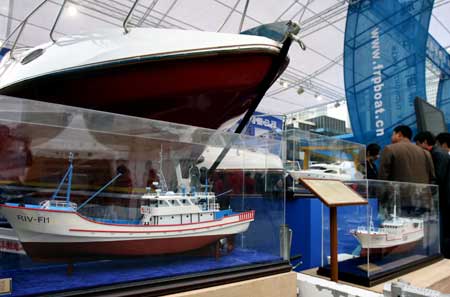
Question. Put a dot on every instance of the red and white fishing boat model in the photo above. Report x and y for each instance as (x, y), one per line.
(396, 235)
(169, 223)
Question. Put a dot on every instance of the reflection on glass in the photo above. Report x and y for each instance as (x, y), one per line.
(101, 186)
(398, 228)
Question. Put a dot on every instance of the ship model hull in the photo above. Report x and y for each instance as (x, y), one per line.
(392, 250)
(393, 238)
(58, 235)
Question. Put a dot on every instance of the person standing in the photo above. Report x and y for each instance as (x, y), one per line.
(443, 140)
(372, 154)
(441, 160)
(440, 156)
(403, 161)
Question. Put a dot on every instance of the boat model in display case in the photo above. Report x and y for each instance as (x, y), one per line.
(396, 235)
(161, 74)
(340, 171)
(56, 230)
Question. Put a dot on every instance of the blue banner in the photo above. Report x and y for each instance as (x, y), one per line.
(443, 97)
(384, 64)
(438, 55)
(441, 59)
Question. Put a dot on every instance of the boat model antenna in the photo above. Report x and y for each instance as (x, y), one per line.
(162, 179)
(395, 202)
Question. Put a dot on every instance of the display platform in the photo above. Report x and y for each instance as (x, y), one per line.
(278, 285)
(358, 271)
(51, 279)
(433, 276)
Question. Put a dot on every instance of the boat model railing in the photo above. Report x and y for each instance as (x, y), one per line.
(57, 203)
(206, 201)
(23, 23)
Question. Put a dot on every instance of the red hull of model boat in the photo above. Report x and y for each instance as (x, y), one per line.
(203, 91)
(398, 249)
(48, 251)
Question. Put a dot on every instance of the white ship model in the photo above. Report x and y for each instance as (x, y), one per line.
(340, 171)
(169, 223)
(395, 235)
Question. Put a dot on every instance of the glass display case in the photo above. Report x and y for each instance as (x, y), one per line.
(397, 231)
(312, 155)
(104, 202)
(318, 156)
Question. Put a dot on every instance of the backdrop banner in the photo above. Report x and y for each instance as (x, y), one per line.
(384, 64)
(443, 96)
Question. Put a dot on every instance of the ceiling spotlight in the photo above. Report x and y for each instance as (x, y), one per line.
(337, 104)
(300, 90)
(72, 10)
(318, 97)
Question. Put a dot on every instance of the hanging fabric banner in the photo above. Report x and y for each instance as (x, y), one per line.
(438, 55)
(443, 97)
(384, 64)
(440, 58)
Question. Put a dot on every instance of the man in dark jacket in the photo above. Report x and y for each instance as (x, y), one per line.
(404, 161)
(372, 154)
(443, 140)
(441, 160)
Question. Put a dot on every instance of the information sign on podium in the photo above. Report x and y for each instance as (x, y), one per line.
(333, 193)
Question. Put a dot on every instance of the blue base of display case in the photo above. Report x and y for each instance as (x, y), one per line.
(36, 279)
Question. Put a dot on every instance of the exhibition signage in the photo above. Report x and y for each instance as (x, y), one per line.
(441, 59)
(443, 96)
(384, 64)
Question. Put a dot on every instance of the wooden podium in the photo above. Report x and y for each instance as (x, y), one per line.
(333, 193)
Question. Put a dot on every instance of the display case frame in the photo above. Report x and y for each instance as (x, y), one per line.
(397, 232)
(45, 141)
(311, 155)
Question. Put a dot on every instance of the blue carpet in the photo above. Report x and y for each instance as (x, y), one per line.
(33, 279)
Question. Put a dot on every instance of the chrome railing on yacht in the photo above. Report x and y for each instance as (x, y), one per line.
(22, 25)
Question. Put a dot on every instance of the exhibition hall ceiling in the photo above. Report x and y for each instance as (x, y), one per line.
(314, 77)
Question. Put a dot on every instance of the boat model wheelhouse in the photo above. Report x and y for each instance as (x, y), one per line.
(196, 78)
(56, 230)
